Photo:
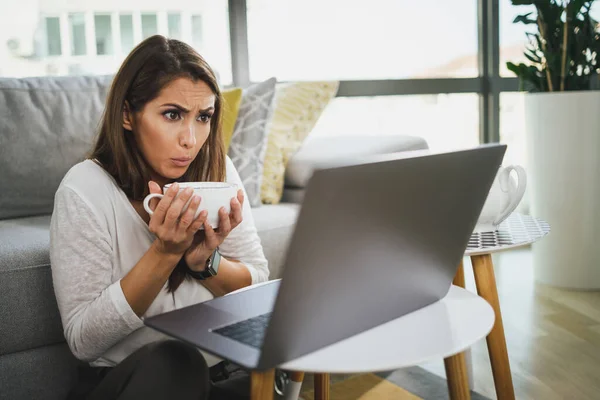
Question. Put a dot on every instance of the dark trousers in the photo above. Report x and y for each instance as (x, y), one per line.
(163, 370)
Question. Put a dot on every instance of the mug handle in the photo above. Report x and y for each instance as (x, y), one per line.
(147, 201)
(517, 194)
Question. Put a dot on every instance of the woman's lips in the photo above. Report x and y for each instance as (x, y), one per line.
(181, 162)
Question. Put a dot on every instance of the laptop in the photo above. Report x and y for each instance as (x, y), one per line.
(373, 241)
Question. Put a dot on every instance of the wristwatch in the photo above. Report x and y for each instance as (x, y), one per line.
(211, 268)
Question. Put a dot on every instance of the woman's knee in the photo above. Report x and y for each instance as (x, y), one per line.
(178, 356)
(179, 366)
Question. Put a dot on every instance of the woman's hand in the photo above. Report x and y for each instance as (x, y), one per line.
(174, 231)
(205, 242)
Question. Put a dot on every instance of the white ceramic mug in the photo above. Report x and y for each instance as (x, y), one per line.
(214, 195)
(503, 198)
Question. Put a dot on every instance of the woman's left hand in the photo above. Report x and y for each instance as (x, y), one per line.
(207, 240)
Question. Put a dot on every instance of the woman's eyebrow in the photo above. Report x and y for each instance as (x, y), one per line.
(185, 110)
(181, 108)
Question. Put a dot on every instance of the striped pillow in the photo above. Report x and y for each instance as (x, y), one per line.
(249, 139)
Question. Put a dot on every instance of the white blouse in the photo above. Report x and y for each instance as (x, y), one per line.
(96, 238)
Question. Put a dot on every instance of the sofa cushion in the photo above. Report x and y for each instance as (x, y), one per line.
(47, 373)
(232, 98)
(29, 314)
(330, 151)
(293, 195)
(298, 106)
(275, 225)
(46, 126)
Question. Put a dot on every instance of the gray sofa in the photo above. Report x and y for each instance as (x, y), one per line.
(46, 126)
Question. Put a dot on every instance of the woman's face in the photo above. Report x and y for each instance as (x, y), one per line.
(171, 129)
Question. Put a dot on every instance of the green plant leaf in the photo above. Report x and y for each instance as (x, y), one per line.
(529, 76)
(524, 19)
(547, 46)
(574, 7)
(538, 42)
(532, 57)
(513, 68)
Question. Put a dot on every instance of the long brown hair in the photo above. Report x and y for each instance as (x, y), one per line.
(150, 66)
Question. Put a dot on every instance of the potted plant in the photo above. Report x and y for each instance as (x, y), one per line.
(562, 112)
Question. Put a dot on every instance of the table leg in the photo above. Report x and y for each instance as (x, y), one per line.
(483, 270)
(321, 386)
(456, 366)
(456, 375)
(292, 392)
(459, 278)
(261, 385)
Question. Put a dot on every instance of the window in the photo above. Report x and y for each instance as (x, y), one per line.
(174, 22)
(208, 31)
(77, 31)
(446, 121)
(126, 27)
(149, 25)
(512, 133)
(512, 127)
(104, 39)
(380, 39)
(53, 36)
(197, 32)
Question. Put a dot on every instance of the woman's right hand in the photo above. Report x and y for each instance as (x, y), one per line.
(174, 231)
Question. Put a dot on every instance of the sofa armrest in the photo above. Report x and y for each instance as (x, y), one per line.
(332, 151)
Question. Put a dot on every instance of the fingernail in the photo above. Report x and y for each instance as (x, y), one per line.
(175, 186)
(222, 209)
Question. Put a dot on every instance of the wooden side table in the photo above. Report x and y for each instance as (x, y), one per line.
(516, 231)
(440, 330)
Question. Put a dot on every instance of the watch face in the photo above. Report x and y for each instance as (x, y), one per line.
(214, 265)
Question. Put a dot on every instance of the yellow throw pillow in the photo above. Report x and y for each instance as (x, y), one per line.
(231, 106)
(297, 108)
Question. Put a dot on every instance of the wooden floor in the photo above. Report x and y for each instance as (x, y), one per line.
(553, 335)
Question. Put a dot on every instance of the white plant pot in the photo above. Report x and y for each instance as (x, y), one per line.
(563, 150)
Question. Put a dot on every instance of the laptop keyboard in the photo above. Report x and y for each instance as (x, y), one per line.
(250, 331)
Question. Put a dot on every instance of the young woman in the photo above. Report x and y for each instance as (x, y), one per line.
(113, 264)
